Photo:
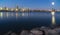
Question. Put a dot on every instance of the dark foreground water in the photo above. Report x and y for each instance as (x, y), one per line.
(17, 21)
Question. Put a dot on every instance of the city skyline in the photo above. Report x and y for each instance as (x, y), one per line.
(33, 4)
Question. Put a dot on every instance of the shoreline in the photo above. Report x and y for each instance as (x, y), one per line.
(26, 11)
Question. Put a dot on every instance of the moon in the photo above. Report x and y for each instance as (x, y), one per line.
(53, 3)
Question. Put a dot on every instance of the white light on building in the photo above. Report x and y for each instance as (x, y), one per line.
(6, 8)
(23, 9)
(12, 9)
(1, 8)
(16, 9)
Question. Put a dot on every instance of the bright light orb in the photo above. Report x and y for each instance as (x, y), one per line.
(53, 3)
(53, 13)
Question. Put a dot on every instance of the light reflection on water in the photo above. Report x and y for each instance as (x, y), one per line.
(1, 15)
(37, 17)
(16, 20)
(16, 14)
(11, 14)
(53, 18)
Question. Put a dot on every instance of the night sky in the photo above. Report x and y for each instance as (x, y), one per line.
(33, 4)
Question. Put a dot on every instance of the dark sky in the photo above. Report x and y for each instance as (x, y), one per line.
(33, 4)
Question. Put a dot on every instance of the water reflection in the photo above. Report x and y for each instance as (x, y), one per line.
(53, 18)
(1, 14)
(33, 15)
(7, 14)
(11, 14)
(16, 15)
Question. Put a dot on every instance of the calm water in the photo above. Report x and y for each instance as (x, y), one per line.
(16, 21)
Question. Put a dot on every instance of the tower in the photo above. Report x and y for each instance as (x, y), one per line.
(5, 8)
(17, 7)
(53, 3)
(53, 15)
